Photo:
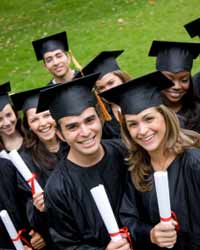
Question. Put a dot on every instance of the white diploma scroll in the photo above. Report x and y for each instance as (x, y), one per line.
(11, 229)
(4, 154)
(104, 207)
(162, 191)
(24, 170)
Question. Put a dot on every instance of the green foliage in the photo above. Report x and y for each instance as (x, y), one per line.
(92, 26)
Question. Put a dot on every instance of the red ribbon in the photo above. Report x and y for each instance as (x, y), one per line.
(125, 233)
(173, 216)
(20, 237)
(31, 181)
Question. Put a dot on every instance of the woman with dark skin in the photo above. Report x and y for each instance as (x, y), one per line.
(174, 60)
(156, 142)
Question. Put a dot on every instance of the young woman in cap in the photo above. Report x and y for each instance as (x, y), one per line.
(157, 143)
(110, 76)
(174, 60)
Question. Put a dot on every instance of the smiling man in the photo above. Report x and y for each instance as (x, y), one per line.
(74, 220)
(52, 50)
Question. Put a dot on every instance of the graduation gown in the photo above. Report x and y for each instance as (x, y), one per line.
(74, 220)
(11, 199)
(111, 129)
(139, 210)
(196, 84)
(36, 218)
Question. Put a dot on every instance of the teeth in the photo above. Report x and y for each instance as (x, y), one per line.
(148, 138)
(87, 141)
(45, 130)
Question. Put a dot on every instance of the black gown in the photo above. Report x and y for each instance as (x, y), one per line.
(139, 210)
(196, 84)
(11, 199)
(111, 129)
(36, 218)
(74, 220)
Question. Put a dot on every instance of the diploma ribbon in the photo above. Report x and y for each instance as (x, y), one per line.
(31, 181)
(173, 216)
(125, 233)
(20, 237)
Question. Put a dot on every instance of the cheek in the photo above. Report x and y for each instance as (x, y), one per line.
(185, 87)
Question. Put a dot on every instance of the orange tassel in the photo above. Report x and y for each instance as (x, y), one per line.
(106, 115)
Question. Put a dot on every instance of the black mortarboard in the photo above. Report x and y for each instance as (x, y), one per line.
(103, 63)
(26, 99)
(193, 28)
(50, 43)
(4, 98)
(70, 98)
(174, 56)
(138, 94)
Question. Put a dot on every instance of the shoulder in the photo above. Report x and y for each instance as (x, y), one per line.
(115, 146)
(191, 158)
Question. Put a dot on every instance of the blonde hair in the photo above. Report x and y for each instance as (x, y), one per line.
(176, 141)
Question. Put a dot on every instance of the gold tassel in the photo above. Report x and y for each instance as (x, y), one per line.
(120, 117)
(75, 62)
(106, 115)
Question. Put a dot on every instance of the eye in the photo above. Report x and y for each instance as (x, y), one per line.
(149, 118)
(48, 59)
(185, 80)
(91, 119)
(132, 124)
(71, 127)
(8, 115)
(46, 115)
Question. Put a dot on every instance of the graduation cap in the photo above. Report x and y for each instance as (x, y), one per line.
(174, 56)
(138, 94)
(103, 63)
(70, 98)
(26, 99)
(193, 28)
(50, 43)
(4, 98)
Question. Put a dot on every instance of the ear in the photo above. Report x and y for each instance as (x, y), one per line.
(60, 135)
(68, 58)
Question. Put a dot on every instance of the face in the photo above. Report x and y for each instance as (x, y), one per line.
(107, 82)
(82, 133)
(8, 120)
(57, 62)
(42, 124)
(181, 82)
(147, 129)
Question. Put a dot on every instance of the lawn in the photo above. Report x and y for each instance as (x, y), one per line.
(92, 26)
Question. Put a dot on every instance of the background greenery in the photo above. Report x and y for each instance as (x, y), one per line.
(92, 26)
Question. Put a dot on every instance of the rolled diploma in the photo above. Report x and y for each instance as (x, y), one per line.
(11, 229)
(4, 154)
(104, 207)
(23, 169)
(162, 191)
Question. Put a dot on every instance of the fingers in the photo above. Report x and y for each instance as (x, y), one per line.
(119, 245)
(38, 201)
(37, 242)
(164, 234)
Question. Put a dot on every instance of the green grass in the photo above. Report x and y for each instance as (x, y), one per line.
(92, 26)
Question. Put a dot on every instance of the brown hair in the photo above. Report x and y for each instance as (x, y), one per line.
(41, 156)
(176, 140)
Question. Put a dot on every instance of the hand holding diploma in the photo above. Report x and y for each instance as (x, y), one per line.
(24, 171)
(11, 230)
(164, 232)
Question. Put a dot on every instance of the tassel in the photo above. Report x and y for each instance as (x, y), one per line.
(120, 117)
(74, 61)
(106, 115)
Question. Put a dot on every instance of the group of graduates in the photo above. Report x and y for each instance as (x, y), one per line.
(97, 125)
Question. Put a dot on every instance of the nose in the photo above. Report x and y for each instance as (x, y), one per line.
(84, 130)
(142, 129)
(55, 60)
(43, 122)
(176, 84)
(6, 121)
